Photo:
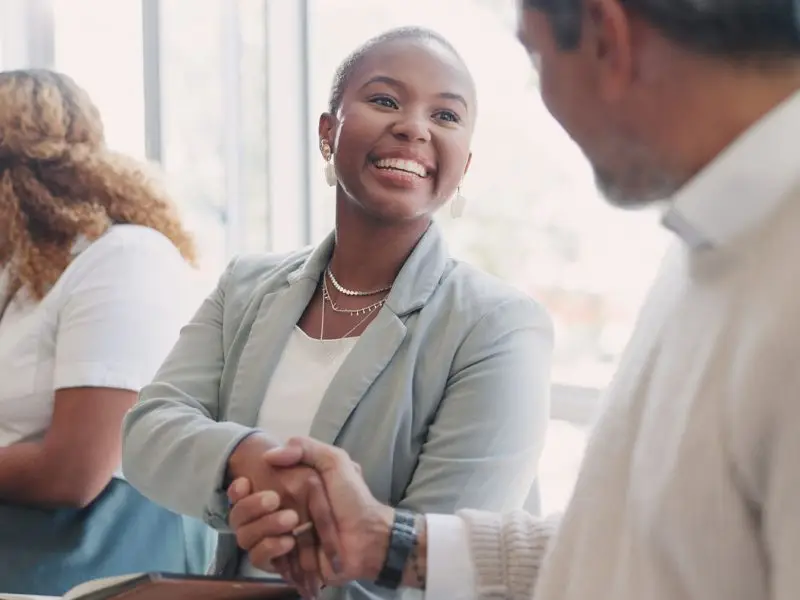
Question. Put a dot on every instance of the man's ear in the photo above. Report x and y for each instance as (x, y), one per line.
(609, 34)
(327, 128)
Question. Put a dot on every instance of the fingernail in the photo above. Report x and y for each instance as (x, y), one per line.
(287, 543)
(286, 519)
(268, 501)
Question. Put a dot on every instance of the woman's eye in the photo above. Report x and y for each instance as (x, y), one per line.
(448, 115)
(384, 101)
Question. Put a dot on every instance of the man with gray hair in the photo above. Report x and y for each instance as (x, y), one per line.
(690, 489)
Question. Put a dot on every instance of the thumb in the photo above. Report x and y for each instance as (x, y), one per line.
(316, 455)
(285, 456)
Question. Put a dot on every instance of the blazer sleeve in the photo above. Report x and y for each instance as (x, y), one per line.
(484, 444)
(173, 429)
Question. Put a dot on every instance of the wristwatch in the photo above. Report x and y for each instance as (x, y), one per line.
(402, 540)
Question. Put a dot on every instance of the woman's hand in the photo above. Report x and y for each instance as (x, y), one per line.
(294, 487)
(257, 516)
(271, 534)
(352, 528)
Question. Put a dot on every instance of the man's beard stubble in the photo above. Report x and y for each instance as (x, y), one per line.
(640, 185)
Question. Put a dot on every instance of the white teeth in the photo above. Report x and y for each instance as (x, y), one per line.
(409, 166)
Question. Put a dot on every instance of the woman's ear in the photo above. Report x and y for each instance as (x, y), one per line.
(469, 162)
(327, 124)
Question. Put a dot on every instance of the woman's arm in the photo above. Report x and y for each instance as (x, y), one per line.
(178, 448)
(174, 451)
(111, 334)
(75, 460)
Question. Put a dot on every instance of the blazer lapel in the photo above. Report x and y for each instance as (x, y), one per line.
(277, 317)
(416, 282)
(368, 358)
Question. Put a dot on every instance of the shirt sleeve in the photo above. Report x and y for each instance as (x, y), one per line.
(122, 309)
(450, 571)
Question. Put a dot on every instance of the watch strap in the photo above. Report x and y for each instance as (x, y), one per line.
(402, 540)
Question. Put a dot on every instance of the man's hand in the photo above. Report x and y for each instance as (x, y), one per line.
(353, 527)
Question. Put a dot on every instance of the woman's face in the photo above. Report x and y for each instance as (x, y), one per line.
(402, 134)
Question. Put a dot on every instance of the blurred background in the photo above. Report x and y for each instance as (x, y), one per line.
(226, 94)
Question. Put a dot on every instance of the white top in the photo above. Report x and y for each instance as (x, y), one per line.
(109, 321)
(303, 374)
(690, 488)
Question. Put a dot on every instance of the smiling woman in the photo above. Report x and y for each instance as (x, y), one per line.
(398, 133)
(431, 374)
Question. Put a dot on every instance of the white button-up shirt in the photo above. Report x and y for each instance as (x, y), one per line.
(690, 488)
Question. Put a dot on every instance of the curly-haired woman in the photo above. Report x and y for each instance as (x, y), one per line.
(95, 280)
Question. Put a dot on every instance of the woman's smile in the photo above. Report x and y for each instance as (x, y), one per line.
(399, 173)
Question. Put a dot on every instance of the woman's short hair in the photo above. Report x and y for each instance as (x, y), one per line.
(349, 65)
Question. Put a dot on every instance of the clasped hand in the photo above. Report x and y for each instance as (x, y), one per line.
(307, 481)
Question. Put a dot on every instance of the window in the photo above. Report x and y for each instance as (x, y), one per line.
(181, 82)
(99, 44)
(533, 215)
(26, 33)
(193, 120)
(212, 77)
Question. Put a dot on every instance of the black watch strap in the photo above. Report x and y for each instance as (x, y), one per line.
(402, 540)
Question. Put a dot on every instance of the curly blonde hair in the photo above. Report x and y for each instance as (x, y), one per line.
(58, 180)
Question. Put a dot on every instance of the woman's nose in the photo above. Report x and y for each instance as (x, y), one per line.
(412, 128)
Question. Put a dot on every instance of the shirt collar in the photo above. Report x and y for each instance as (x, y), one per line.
(744, 185)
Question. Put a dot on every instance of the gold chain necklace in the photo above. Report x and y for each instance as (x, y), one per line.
(326, 297)
(343, 290)
(347, 334)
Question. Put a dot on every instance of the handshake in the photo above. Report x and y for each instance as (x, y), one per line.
(304, 511)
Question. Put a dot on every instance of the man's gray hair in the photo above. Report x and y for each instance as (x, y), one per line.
(737, 29)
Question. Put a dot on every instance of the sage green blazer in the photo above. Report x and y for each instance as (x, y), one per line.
(443, 400)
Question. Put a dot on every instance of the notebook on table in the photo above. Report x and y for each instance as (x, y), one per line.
(167, 586)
